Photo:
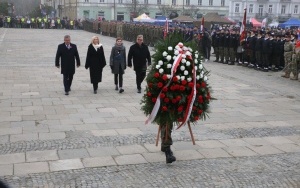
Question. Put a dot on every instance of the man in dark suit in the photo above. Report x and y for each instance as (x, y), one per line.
(140, 54)
(68, 53)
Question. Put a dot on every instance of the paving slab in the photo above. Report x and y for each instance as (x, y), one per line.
(256, 141)
(12, 158)
(265, 149)
(6, 169)
(23, 137)
(98, 161)
(67, 164)
(187, 155)
(130, 159)
(210, 144)
(155, 157)
(131, 149)
(213, 153)
(131, 131)
(288, 147)
(46, 155)
(153, 148)
(29, 168)
(52, 136)
(102, 151)
(278, 140)
(234, 142)
(240, 151)
(73, 153)
(108, 132)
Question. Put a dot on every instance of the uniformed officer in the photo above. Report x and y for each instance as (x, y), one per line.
(288, 52)
(295, 61)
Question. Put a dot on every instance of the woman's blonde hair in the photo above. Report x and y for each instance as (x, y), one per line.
(93, 38)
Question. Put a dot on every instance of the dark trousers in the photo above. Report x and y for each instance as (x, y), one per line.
(140, 76)
(166, 135)
(120, 76)
(266, 60)
(68, 78)
(95, 86)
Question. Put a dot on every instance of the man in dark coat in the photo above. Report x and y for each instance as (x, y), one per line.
(140, 54)
(67, 51)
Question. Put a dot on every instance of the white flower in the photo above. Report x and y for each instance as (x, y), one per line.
(205, 78)
(197, 77)
(165, 54)
(200, 66)
(190, 49)
(160, 62)
(186, 72)
(169, 57)
(189, 79)
(196, 52)
(201, 75)
(188, 63)
(182, 68)
(188, 53)
(176, 52)
(196, 68)
(169, 66)
(185, 48)
(157, 66)
(174, 57)
(177, 47)
(168, 76)
(196, 55)
(183, 61)
(180, 44)
(170, 48)
(161, 71)
(178, 77)
(182, 77)
(196, 61)
(183, 56)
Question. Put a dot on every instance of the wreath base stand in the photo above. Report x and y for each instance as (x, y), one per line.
(190, 129)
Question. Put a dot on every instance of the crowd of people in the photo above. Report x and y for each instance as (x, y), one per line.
(41, 22)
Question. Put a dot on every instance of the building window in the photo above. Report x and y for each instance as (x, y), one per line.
(145, 2)
(86, 14)
(173, 2)
(101, 14)
(283, 9)
(199, 2)
(187, 2)
(251, 8)
(159, 2)
(86, 1)
(210, 2)
(296, 9)
(158, 15)
(222, 3)
(237, 7)
(120, 1)
(260, 10)
(270, 10)
(101, 1)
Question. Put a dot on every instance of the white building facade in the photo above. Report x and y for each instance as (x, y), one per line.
(127, 9)
(276, 10)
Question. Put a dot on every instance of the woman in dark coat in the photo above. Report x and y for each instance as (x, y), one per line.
(95, 60)
(118, 63)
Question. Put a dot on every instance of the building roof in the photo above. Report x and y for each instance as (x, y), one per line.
(214, 17)
(183, 19)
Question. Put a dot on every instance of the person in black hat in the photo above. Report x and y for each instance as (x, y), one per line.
(258, 50)
(216, 44)
(266, 52)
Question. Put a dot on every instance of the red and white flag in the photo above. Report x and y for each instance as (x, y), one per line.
(243, 26)
(166, 30)
(264, 23)
(202, 24)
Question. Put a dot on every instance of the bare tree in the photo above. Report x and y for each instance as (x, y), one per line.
(136, 8)
(166, 10)
(191, 11)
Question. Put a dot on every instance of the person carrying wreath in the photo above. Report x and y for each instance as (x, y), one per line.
(118, 63)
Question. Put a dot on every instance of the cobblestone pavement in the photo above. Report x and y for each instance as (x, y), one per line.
(47, 139)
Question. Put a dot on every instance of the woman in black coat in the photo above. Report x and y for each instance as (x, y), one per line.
(118, 63)
(95, 60)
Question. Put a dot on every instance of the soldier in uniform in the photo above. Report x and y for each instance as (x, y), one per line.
(281, 44)
(226, 47)
(276, 53)
(252, 41)
(216, 43)
(233, 44)
(258, 49)
(221, 46)
(266, 51)
(288, 52)
(295, 61)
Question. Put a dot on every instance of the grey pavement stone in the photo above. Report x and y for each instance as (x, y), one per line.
(131, 149)
(73, 153)
(265, 149)
(12, 158)
(234, 142)
(15, 130)
(130, 159)
(52, 136)
(6, 169)
(47, 155)
(4, 139)
(109, 132)
(98, 161)
(288, 147)
(213, 153)
(102, 151)
(155, 157)
(23, 137)
(256, 141)
(131, 131)
(240, 151)
(187, 155)
(67, 164)
(185, 146)
(278, 140)
(210, 144)
(29, 168)
(153, 148)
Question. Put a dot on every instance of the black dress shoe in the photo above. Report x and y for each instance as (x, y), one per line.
(116, 88)
(121, 91)
(139, 91)
(95, 91)
(66, 93)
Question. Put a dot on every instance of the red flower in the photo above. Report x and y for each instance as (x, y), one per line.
(164, 108)
(183, 82)
(156, 75)
(180, 119)
(175, 79)
(180, 108)
(150, 85)
(165, 89)
(166, 100)
(191, 84)
(194, 107)
(198, 86)
(182, 88)
(178, 98)
(203, 84)
(172, 88)
(196, 118)
(162, 95)
(153, 99)
(159, 85)
(149, 94)
(200, 112)
(165, 77)
(174, 101)
(177, 87)
(200, 99)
